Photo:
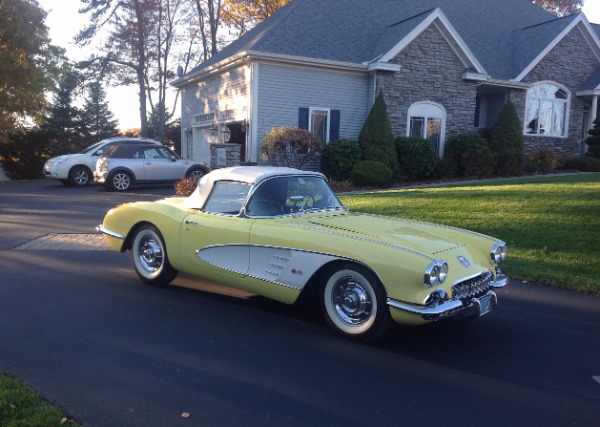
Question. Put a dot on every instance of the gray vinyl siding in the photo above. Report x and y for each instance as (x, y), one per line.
(224, 91)
(283, 90)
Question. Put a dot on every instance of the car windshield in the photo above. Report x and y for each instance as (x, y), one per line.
(292, 195)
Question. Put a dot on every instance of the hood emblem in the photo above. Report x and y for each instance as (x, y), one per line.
(463, 261)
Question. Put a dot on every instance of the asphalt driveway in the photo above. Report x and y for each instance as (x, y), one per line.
(78, 326)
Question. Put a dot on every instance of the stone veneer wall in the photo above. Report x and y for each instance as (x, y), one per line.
(569, 64)
(224, 155)
(431, 71)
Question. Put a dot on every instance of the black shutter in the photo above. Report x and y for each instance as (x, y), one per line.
(334, 125)
(303, 118)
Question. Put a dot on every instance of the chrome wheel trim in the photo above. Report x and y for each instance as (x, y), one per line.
(121, 181)
(350, 302)
(148, 254)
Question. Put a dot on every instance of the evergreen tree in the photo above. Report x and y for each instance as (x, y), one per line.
(507, 142)
(593, 141)
(97, 119)
(376, 138)
(29, 64)
(62, 127)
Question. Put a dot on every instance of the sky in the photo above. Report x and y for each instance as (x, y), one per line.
(64, 22)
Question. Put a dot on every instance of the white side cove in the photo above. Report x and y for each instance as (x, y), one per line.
(288, 267)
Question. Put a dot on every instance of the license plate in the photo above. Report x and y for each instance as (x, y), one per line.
(485, 304)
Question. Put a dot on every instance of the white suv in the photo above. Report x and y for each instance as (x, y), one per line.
(76, 169)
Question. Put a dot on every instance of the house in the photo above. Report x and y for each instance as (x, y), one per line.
(444, 67)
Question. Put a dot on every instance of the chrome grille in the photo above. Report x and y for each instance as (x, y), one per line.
(472, 287)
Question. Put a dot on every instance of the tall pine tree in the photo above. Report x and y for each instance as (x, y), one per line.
(98, 121)
(62, 126)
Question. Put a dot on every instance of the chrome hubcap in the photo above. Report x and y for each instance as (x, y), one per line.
(150, 254)
(351, 301)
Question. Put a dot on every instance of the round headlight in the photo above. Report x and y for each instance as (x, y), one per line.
(498, 252)
(436, 273)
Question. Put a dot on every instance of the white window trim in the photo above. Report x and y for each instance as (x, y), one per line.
(567, 110)
(425, 109)
(310, 115)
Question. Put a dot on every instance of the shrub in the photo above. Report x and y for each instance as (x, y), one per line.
(446, 168)
(371, 173)
(186, 186)
(417, 157)
(341, 186)
(463, 142)
(507, 142)
(478, 163)
(339, 157)
(24, 153)
(542, 160)
(292, 147)
(376, 138)
(465, 150)
(593, 141)
(583, 164)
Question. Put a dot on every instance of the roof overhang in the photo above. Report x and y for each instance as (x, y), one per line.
(255, 56)
(508, 84)
(593, 92)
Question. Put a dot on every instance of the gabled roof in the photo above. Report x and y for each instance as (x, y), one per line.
(544, 37)
(489, 36)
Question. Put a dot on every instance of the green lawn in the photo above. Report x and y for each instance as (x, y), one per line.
(551, 224)
(21, 407)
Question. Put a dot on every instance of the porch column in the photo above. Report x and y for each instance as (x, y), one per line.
(594, 111)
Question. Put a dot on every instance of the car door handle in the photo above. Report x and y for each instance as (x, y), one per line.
(189, 221)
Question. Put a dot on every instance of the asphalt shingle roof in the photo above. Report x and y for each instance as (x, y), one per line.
(505, 36)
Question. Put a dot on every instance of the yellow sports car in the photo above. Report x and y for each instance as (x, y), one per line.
(282, 233)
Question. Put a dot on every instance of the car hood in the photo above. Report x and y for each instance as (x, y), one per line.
(426, 238)
(65, 157)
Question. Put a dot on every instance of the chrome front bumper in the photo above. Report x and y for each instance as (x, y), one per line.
(470, 307)
(108, 232)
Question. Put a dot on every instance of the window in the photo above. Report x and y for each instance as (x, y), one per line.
(322, 122)
(426, 120)
(227, 198)
(546, 110)
(319, 123)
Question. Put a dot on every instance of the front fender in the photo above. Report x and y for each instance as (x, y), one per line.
(121, 221)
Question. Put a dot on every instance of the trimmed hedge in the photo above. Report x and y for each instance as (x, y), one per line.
(376, 138)
(371, 173)
(467, 154)
(417, 157)
(542, 160)
(338, 159)
(583, 164)
(507, 142)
